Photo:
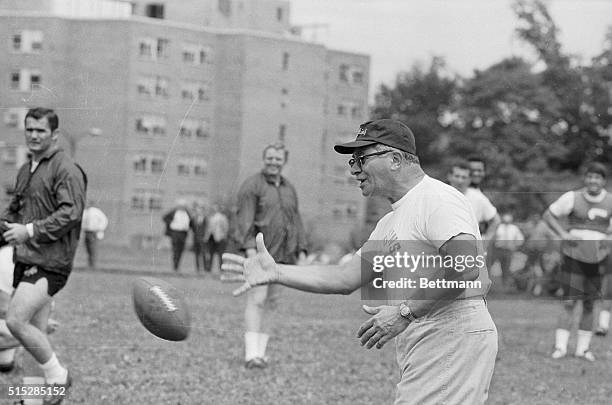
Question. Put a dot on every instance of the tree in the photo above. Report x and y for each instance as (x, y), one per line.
(577, 88)
(418, 98)
(504, 114)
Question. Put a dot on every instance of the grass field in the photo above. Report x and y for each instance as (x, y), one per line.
(316, 358)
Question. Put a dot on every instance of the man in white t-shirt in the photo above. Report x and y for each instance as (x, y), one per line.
(585, 246)
(445, 339)
(459, 177)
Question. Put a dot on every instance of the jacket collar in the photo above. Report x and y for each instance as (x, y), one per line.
(270, 179)
(49, 153)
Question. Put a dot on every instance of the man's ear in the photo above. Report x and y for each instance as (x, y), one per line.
(396, 160)
(55, 134)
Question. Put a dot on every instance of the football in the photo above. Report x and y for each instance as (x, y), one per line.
(161, 309)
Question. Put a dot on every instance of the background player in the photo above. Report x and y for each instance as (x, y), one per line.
(267, 203)
(43, 222)
(588, 212)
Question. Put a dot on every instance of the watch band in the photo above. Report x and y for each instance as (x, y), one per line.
(406, 312)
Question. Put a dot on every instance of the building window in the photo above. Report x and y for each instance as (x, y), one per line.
(15, 80)
(154, 10)
(34, 79)
(151, 125)
(282, 132)
(140, 164)
(157, 165)
(150, 48)
(357, 75)
(162, 48)
(356, 112)
(205, 55)
(143, 200)
(17, 42)
(200, 168)
(146, 85)
(343, 73)
(155, 201)
(14, 117)
(190, 127)
(25, 80)
(161, 87)
(341, 110)
(225, 7)
(145, 48)
(195, 54)
(279, 14)
(284, 98)
(9, 155)
(138, 202)
(351, 74)
(202, 131)
(183, 169)
(189, 56)
(285, 60)
(28, 41)
(194, 91)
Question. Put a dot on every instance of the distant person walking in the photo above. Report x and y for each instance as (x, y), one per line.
(94, 224)
(216, 236)
(199, 227)
(177, 223)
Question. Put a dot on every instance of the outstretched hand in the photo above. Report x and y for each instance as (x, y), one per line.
(257, 270)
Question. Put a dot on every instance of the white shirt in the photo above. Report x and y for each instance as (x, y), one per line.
(484, 210)
(218, 226)
(564, 206)
(94, 220)
(508, 236)
(423, 220)
(180, 221)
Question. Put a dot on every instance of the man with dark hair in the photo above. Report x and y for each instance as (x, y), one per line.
(43, 222)
(445, 338)
(459, 177)
(477, 171)
(589, 219)
(267, 203)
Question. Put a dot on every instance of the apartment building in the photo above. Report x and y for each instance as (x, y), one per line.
(168, 100)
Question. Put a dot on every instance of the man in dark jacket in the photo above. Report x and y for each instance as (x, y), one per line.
(43, 222)
(267, 203)
(177, 222)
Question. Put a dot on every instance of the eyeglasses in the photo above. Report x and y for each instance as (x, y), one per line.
(361, 159)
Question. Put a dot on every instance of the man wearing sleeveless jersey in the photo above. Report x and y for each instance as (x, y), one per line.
(588, 212)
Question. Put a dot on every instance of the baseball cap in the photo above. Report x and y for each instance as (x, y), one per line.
(386, 131)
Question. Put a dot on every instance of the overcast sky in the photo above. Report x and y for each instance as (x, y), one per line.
(470, 34)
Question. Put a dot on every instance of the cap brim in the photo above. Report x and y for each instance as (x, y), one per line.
(349, 147)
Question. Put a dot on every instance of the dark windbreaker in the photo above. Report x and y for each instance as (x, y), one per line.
(52, 198)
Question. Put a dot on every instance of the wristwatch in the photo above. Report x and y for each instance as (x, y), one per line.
(406, 312)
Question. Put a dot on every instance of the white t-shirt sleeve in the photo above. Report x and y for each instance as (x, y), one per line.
(448, 219)
(488, 210)
(563, 206)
